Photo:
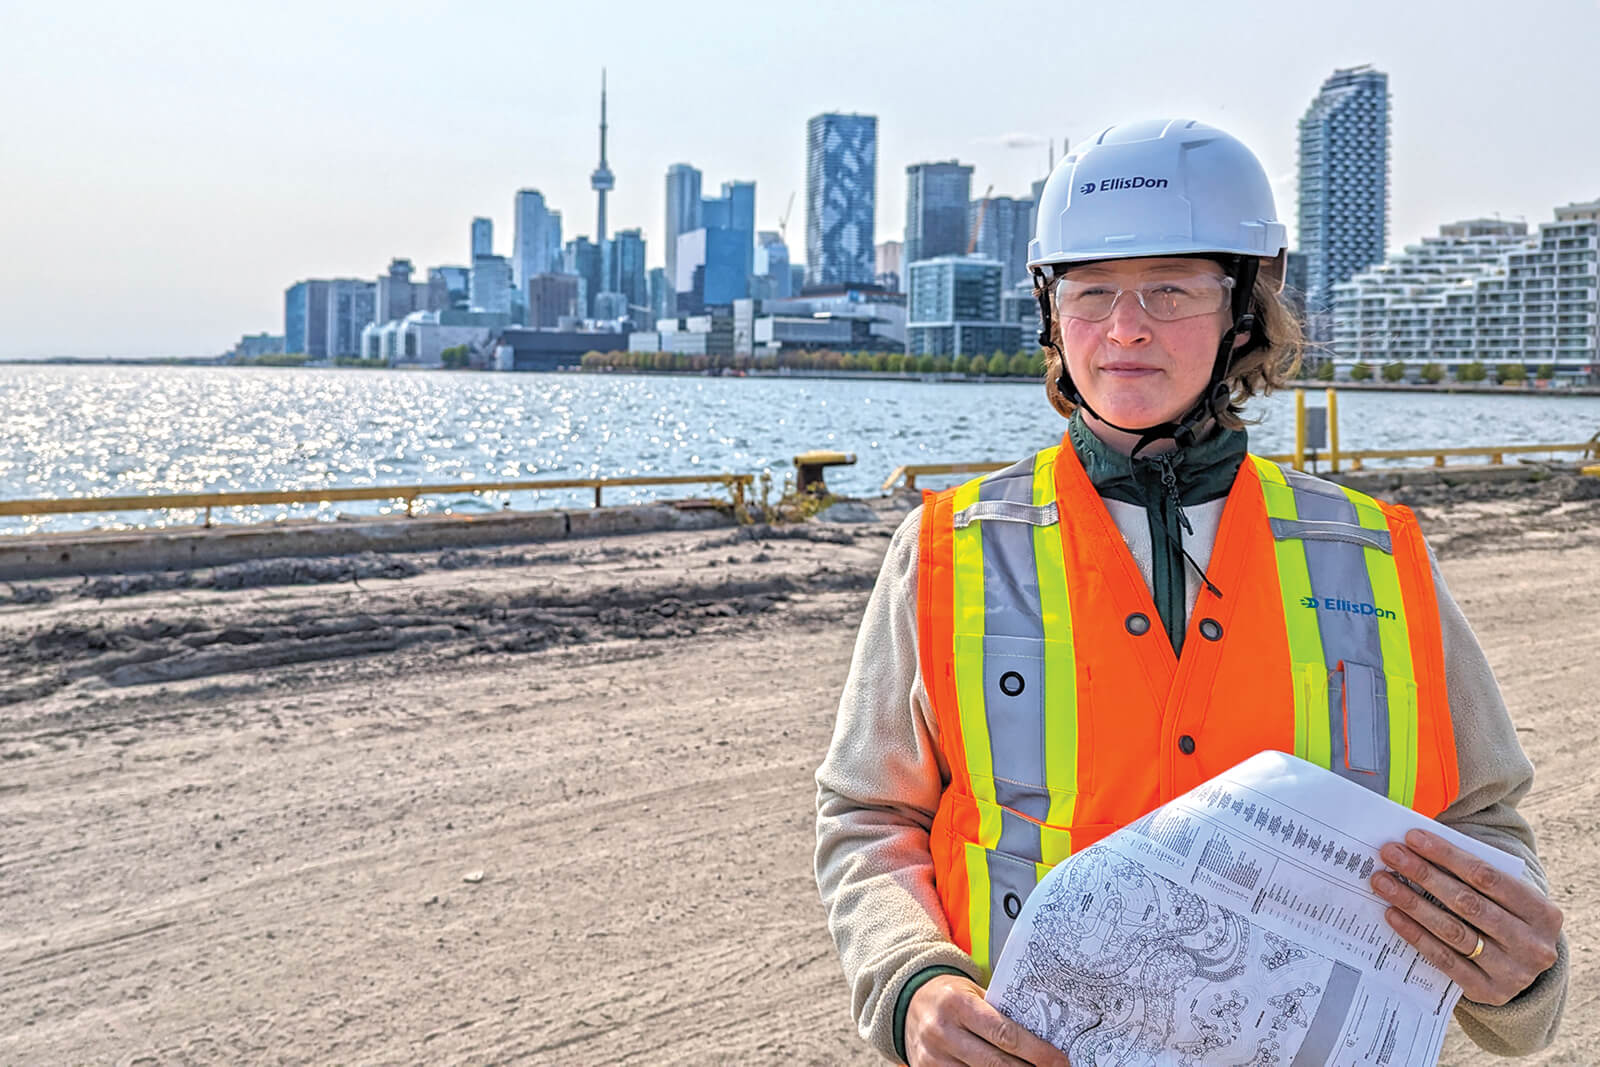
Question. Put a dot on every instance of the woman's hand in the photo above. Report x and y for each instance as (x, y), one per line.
(1517, 923)
(948, 1022)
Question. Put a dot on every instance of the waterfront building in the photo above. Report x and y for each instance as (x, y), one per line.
(887, 258)
(1004, 226)
(352, 303)
(936, 209)
(489, 288)
(536, 241)
(305, 319)
(841, 198)
(521, 349)
(550, 298)
(797, 278)
(683, 212)
(852, 320)
(1344, 185)
(419, 339)
(1481, 291)
(955, 308)
(482, 237)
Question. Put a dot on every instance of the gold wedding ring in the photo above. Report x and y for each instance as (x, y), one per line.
(1477, 950)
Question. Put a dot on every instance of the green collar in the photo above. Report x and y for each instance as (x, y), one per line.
(1205, 471)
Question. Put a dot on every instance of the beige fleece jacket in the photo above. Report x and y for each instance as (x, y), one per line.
(879, 786)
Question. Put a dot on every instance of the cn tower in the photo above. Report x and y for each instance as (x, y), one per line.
(602, 180)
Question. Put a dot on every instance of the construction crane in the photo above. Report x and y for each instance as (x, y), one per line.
(977, 227)
(783, 221)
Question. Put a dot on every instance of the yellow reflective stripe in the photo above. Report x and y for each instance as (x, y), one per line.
(1309, 669)
(1060, 669)
(968, 613)
(1394, 637)
(978, 903)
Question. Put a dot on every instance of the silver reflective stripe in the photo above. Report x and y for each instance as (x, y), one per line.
(1013, 658)
(1007, 875)
(1284, 529)
(1007, 511)
(1338, 572)
(1361, 694)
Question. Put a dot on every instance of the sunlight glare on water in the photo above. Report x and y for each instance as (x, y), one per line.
(128, 430)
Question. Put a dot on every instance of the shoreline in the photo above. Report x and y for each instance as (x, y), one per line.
(1468, 388)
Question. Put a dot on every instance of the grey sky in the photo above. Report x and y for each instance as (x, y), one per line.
(168, 168)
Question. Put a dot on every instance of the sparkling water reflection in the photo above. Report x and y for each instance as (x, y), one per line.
(91, 431)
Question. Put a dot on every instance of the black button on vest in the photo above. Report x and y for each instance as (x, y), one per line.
(1211, 629)
(1138, 624)
(1186, 745)
(1013, 905)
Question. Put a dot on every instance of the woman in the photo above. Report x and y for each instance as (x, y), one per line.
(1059, 647)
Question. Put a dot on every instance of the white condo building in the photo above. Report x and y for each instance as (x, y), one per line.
(1485, 291)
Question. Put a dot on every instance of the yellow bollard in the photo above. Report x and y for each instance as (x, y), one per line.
(1333, 427)
(1299, 429)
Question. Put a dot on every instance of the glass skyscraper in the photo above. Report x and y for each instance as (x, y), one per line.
(683, 212)
(1344, 185)
(936, 210)
(841, 197)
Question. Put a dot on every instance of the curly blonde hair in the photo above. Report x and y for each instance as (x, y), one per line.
(1270, 365)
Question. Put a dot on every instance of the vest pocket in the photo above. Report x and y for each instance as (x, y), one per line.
(1030, 757)
(1010, 881)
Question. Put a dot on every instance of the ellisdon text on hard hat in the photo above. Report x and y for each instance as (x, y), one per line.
(1109, 184)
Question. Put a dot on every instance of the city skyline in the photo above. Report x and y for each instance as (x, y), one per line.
(176, 124)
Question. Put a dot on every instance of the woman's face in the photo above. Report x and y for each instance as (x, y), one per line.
(1133, 368)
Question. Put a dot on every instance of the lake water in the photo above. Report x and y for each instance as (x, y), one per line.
(116, 431)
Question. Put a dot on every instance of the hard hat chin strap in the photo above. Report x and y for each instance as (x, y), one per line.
(1213, 400)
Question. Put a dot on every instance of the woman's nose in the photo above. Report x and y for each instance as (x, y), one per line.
(1128, 323)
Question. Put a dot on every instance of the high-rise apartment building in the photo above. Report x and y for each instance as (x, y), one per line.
(1483, 291)
(1004, 226)
(490, 285)
(352, 305)
(536, 241)
(936, 209)
(482, 237)
(1344, 185)
(841, 198)
(305, 319)
(683, 211)
(954, 308)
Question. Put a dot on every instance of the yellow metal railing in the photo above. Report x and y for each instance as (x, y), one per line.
(1297, 459)
(736, 484)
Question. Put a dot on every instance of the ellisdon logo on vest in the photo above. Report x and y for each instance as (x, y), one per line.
(1333, 603)
(1112, 184)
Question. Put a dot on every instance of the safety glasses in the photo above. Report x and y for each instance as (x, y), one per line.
(1165, 299)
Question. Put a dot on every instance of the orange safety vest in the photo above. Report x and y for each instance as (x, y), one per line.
(1064, 714)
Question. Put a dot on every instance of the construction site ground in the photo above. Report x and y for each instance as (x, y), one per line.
(549, 803)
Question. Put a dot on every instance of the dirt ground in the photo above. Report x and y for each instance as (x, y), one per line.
(550, 804)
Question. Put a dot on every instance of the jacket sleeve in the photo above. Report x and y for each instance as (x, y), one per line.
(877, 791)
(1494, 776)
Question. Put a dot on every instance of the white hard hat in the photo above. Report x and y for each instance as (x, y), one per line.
(1160, 187)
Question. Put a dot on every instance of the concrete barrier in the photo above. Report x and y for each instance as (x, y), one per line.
(183, 548)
